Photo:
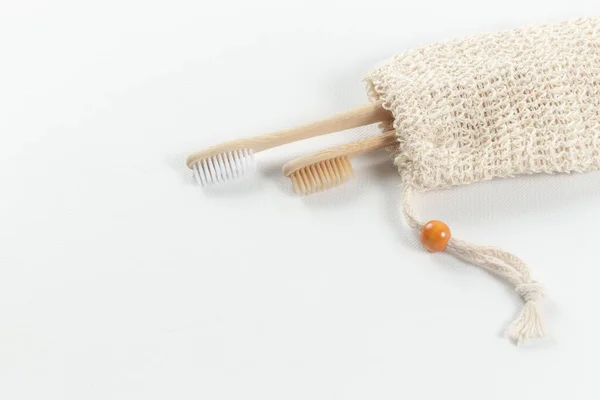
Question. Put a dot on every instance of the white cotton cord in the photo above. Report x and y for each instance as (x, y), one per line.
(529, 324)
(409, 213)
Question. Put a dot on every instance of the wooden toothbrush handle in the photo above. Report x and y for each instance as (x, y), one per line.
(350, 150)
(360, 116)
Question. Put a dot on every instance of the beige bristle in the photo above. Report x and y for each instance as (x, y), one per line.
(322, 175)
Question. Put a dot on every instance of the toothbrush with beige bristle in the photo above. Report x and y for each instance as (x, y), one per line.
(330, 167)
(231, 159)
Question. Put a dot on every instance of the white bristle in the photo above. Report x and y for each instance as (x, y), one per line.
(224, 167)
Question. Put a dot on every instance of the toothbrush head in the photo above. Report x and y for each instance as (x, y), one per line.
(223, 167)
(321, 175)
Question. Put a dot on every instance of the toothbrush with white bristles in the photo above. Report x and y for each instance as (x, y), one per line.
(230, 160)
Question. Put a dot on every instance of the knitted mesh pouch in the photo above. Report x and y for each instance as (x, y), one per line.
(493, 106)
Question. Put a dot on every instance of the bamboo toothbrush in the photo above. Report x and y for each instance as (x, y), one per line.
(326, 168)
(231, 159)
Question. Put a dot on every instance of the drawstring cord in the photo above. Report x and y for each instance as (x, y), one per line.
(529, 324)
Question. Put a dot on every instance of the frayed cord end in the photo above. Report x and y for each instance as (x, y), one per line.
(529, 325)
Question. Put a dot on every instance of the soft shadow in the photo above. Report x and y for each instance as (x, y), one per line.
(177, 163)
(272, 172)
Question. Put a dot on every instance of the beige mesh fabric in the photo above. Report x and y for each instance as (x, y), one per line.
(493, 106)
(496, 105)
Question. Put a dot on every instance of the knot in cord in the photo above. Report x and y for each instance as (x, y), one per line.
(531, 291)
(529, 324)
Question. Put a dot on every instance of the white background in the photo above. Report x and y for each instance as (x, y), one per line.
(121, 279)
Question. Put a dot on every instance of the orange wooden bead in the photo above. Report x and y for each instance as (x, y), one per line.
(435, 236)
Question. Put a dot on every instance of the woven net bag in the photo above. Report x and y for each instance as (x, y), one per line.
(497, 105)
